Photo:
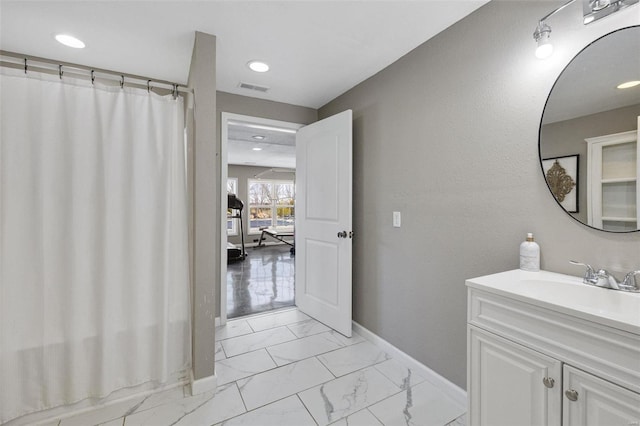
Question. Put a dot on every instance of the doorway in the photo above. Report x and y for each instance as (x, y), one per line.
(258, 166)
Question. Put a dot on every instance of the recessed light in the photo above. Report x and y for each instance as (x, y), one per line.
(257, 149)
(70, 41)
(628, 84)
(258, 66)
(258, 137)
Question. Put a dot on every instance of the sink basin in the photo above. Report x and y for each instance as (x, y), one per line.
(567, 294)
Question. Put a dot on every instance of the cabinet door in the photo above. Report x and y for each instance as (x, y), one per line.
(510, 384)
(589, 400)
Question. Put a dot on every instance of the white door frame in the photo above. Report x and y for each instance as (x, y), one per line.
(224, 174)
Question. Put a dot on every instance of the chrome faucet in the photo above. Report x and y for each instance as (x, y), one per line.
(602, 278)
(631, 282)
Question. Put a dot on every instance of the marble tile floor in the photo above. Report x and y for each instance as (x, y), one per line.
(264, 281)
(284, 368)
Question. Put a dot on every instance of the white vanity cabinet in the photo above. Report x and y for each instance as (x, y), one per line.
(539, 354)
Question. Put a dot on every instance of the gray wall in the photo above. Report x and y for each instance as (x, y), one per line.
(227, 102)
(204, 190)
(568, 138)
(448, 135)
(236, 104)
(243, 174)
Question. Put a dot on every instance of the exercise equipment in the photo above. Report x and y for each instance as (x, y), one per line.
(236, 206)
(280, 236)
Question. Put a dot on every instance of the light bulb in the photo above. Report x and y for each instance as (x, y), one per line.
(629, 84)
(544, 50)
(258, 66)
(70, 41)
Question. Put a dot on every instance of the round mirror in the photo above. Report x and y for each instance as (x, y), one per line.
(588, 140)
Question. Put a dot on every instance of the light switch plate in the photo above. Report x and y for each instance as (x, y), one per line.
(397, 219)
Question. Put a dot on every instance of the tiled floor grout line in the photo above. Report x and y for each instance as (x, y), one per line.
(306, 408)
(223, 351)
(269, 403)
(271, 356)
(246, 410)
(289, 341)
(322, 364)
(374, 416)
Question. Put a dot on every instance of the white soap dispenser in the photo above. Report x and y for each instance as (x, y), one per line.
(530, 255)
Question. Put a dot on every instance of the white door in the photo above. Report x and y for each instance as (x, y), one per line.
(323, 221)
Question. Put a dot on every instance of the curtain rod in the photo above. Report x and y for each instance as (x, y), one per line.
(61, 66)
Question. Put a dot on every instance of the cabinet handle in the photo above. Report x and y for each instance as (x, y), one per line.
(572, 395)
(548, 382)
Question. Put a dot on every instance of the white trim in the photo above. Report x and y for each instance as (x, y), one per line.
(206, 384)
(224, 238)
(457, 394)
(224, 171)
(217, 322)
(614, 138)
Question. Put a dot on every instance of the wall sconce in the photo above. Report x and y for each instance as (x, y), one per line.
(541, 36)
(597, 9)
(592, 11)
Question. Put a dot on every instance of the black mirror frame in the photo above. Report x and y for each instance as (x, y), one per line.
(540, 132)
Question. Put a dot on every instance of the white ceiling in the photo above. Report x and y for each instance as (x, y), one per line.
(317, 49)
(277, 149)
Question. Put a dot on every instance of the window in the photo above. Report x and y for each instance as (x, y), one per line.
(232, 224)
(271, 204)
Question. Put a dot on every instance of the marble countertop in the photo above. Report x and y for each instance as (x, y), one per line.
(566, 294)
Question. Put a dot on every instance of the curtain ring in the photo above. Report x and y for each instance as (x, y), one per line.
(122, 81)
(25, 65)
(60, 71)
(148, 86)
(93, 76)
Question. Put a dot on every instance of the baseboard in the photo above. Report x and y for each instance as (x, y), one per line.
(452, 390)
(205, 384)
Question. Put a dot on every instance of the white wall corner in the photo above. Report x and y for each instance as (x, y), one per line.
(453, 391)
(205, 384)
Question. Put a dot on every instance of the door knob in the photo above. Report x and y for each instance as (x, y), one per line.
(572, 395)
(548, 382)
(342, 234)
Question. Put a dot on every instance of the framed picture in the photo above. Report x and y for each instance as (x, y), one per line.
(561, 174)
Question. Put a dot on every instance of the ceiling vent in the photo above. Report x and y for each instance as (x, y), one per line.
(249, 86)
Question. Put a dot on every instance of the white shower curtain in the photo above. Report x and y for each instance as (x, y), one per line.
(94, 282)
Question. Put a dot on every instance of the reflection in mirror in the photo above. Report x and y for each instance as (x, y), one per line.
(589, 134)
